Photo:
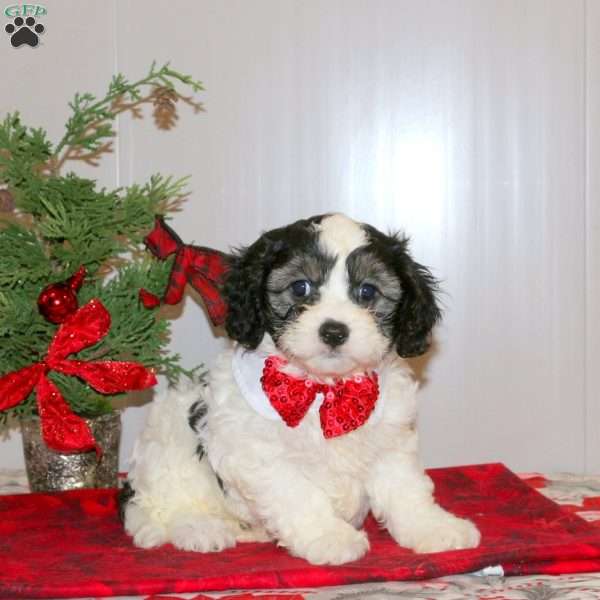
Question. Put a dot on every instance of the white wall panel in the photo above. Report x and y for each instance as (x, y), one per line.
(75, 54)
(592, 323)
(462, 123)
(508, 381)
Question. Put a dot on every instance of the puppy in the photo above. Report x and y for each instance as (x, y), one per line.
(308, 421)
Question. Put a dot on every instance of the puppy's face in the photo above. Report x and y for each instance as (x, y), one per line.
(335, 296)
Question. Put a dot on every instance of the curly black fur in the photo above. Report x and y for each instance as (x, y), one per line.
(126, 493)
(197, 414)
(244, 290)
(196, 420)
(418, 310)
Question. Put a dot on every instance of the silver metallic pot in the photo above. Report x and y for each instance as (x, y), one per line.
(48, 470)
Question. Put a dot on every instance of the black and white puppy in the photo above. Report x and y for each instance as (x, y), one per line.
(326, 305)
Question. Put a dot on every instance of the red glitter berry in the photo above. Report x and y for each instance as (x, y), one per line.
(57, 301)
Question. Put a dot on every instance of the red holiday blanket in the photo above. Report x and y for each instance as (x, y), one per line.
(72, 544)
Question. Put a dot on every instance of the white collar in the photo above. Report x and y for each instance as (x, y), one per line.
(247, 367)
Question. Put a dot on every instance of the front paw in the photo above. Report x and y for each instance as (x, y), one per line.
(335, 546)
(450, 533)
(201, 533)
(436, 532)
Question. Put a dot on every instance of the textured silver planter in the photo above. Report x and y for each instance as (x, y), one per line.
(48, 470)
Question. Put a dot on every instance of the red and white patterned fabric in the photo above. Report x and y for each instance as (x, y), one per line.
(580, 496)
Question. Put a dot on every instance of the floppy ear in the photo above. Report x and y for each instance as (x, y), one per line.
(417, 310)
(244, 291)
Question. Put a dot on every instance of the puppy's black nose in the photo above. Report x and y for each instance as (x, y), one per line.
(333, 333)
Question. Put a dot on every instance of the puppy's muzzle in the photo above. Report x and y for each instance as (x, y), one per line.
(334, 333)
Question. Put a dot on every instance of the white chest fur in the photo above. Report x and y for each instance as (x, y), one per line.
(242, 425)
(244, 436)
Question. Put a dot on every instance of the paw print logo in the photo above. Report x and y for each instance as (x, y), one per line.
(24, 31)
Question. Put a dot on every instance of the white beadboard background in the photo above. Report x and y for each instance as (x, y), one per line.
(473, 125)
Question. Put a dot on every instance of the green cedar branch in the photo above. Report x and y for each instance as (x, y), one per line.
(63, 221)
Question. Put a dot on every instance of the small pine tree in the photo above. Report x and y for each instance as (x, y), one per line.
(52, 223)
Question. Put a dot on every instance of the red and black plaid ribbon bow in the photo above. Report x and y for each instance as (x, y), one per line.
(203, 268)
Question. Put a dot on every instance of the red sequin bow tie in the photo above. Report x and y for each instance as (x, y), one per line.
(62, 429)
(346, 406)
(203, 268)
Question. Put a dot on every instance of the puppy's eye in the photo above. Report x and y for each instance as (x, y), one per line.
(301, 289)
(367, 292)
